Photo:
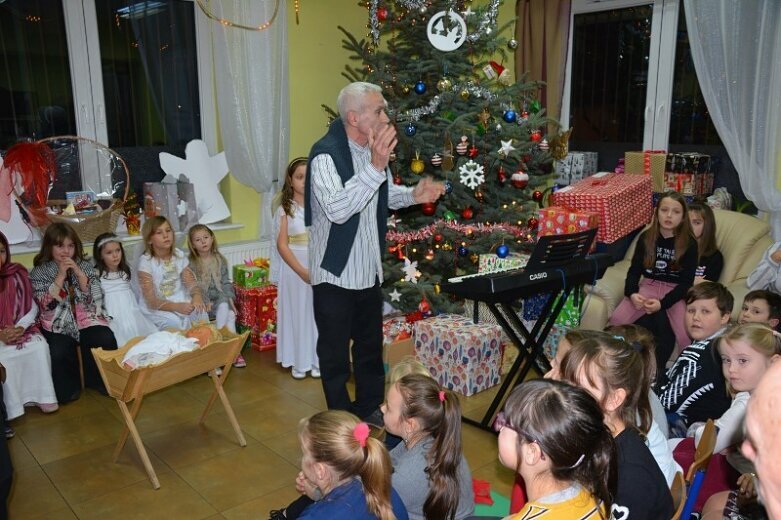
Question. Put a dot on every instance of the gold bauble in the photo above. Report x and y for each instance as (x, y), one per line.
(417, 166)
(444, 84)
(464, 94)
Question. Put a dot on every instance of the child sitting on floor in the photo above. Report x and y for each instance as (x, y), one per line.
(693, 389)
(760, 306)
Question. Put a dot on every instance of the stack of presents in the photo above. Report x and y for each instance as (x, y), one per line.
(464, 353)
(256, 303)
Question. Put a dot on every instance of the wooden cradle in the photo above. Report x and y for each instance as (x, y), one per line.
(127, 385)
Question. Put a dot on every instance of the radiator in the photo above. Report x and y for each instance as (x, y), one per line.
(238, 252)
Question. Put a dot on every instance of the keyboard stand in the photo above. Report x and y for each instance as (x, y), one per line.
(529, 344)
(550, 251)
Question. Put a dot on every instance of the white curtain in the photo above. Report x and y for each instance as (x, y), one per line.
(252, 96)
(736, 47)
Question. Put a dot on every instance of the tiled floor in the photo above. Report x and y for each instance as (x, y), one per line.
(64, 468)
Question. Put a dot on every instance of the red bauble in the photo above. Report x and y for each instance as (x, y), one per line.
(437, 238)
(533, 223)
(428, 208)
(537, 196)
(467, 213)
(501, 176)
(397, 180)
(382, 14)
(520, 179)
(424, 307)
(473, 151)
(536, 136)
(526, 158)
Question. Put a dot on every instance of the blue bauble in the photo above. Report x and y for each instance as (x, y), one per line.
(420, 88)
(410, 129)
(463, 251)
(448, 187)
(502, 251)
(510, 116)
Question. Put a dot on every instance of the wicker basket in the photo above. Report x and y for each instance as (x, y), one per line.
(88, 227)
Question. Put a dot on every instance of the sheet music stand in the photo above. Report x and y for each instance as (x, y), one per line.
(550, 252)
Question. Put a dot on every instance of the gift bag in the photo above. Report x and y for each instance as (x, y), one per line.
(161, 199)
(568, 319)
(186, 210)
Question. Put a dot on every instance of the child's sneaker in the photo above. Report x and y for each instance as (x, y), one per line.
(298, 374)
(9, 432)
(240, 362)
(316, 373)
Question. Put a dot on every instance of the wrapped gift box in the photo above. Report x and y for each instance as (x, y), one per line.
(558, 220)
(250, 276)
(463, 356)
(490, 263)
(649, 162)
(575, 166)
(687, 162)
(395, 328)
(689, 183)
(259, 339)
(256, 310)
(623, 202)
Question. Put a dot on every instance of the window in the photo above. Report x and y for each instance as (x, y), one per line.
(130, 74)
(631, 83)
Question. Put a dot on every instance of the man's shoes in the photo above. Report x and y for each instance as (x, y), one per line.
(9, 432)
(375, 419)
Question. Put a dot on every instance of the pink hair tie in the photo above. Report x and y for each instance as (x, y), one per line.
(361, 433)
(442, 395)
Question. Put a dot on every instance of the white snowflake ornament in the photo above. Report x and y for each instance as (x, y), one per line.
(471, 174)
(411, 273)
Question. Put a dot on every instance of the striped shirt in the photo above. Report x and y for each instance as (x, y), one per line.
(335, 202)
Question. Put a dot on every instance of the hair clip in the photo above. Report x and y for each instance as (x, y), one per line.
(361, 433)
(577, 462)
(442, 395)
(619, 338)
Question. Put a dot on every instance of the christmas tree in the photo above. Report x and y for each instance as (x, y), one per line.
(462, 120)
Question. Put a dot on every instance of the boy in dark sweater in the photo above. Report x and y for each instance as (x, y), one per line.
(693, 389)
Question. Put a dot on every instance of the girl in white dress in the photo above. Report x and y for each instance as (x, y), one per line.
(170, 296)
(296, 328)
(127, 322)
(23, 350)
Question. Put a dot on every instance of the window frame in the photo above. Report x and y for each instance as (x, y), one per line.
(81, 29)
(661, 64)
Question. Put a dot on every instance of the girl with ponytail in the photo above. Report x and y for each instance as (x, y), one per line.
(345, 471)
(430, 471)
(556, 439)
(616, 375)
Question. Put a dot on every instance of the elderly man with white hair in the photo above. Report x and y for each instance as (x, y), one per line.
(348, 192)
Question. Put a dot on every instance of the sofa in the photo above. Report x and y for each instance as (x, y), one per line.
(742, 239)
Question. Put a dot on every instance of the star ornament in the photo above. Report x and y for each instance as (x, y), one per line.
(392, 221)
(506, 148)
(410, 269)
(395, 295)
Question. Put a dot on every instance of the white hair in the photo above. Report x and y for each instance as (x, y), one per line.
(351, 97)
